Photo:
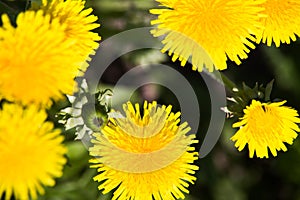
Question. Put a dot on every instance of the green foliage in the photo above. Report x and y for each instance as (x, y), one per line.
(76, 183)
(242, 97)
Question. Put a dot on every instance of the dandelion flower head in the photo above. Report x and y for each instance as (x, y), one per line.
(282, 24)
(145, 156)
(36, 62)
(79, 24)
(266, 126)
(31, 152)
(219, 28)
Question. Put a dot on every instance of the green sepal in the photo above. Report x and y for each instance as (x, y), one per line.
(243, 97)
(268, 90)
(34, 4)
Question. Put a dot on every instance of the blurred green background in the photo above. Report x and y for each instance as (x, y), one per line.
(225, 173)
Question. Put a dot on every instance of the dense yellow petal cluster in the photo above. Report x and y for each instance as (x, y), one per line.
(41, 54)
(208, 31)
(145, 156)
(37, 63)
(266, 125)
(48, 48)
(282, 23)
(79, 24)
(31, 152)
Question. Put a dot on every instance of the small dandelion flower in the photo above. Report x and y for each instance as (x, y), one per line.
(266, 125)
(31, 152)
(36, 62)
(218, 28)
(79, 24)
(282, 22)
(145, 156)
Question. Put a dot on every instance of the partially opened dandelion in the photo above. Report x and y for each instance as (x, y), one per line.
(266, 126)
(281, 24)
(223, 28)
(145, 156)
(88, 112)
(31, 152)
(37, 63)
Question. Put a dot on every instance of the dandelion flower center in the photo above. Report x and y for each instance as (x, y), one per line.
(264, 112)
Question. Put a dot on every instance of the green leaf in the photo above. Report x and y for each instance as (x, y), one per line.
(250, 93)
(268, 90)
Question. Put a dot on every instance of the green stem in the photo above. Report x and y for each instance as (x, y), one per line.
(222, 79)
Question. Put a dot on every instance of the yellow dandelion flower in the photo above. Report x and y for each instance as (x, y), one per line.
(282, 22)
(266, 125)
(145, 156)
(36, 62)
(31, 152)
(218, 28)
(79, 22)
